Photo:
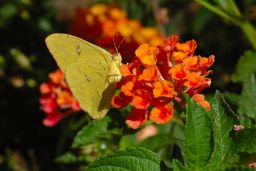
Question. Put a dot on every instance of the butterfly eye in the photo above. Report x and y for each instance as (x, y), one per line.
(116, 57)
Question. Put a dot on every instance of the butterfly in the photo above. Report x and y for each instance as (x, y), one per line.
(90, 71)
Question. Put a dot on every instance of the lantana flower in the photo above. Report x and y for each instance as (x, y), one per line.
(158, 77)
(101, 23)
(56, 99)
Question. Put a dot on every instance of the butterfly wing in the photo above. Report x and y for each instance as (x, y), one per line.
(89, 84)
(87, 69)
(67, 49)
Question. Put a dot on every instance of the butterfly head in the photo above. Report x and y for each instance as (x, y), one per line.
(117, 58)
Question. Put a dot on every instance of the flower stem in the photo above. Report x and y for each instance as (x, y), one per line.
(247, 28)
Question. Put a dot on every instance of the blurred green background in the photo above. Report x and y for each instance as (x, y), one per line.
(25, 144)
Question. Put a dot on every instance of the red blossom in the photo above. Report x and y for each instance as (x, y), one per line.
(56, 99)
(141, 99)
(162, 114)
(52, 119)
(121, 101)
(136, 118)
(48, 103)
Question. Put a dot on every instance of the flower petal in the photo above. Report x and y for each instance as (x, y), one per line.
(48, 103)
(136, 118)
(199, 98)
(162, 114)
(52, 119)
(206, 62)
(179, 72)
(141, 99)
(64, 98)
(121, 100)
(56, 77)
(163, 88)
(147, 54)
(149, 74)
(194, 80)
(127, 87)
(46, 88)
(124, 70)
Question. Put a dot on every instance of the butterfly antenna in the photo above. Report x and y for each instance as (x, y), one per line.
(120, 43)
(115, 45)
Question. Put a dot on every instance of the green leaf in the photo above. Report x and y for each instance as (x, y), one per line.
(127, 141)
(223, 120)
(246, 121)
(219, 11)
(135, 159)
(89, 133)
(247, 141)
(70, 157)
(197, 137)
(240, 168)
(177, 166)
(247, 103)
(245, 67)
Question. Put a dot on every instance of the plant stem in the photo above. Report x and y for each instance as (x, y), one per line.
(218, 11)
(248, 29)
(250, 32)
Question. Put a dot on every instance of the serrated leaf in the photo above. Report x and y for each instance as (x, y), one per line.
(247, 103)
(89, 133)
(177, 166)
(246, 141)
(246, 121)
(240, 168)
(223, 120)
(197, 148)
(132, 159)
(245, 67)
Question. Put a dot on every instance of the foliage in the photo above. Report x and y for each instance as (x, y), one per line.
(89, 133)
(245, 67)
(193, 139)
(131, 159)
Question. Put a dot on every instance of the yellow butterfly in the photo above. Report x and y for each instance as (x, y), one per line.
(90, 71)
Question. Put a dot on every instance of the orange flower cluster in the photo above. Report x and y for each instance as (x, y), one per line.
(56, 99)
(101, 23)
(158, 77)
